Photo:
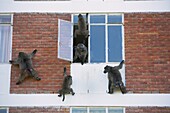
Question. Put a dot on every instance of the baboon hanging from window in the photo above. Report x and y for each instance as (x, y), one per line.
(25, 64)
(82, 28)
(114, 77)
(66, 87)
(80, 53)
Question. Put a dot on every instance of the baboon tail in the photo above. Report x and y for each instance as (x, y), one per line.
(65, 71)
(121, 64)
(63, 97)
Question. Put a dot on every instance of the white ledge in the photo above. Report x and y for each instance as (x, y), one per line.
(10, 6)
(48, 100)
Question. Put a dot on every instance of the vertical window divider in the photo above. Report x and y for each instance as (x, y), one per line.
(72, 27)
(11, 37)
(89, 39)
(124, 110)
(106, 109)
(123, 41)
(106, 37)
(88, 109)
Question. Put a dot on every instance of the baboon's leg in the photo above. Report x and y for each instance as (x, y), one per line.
(72, 92)
(60, 93)
(110, 87)
(34, 74)
(63, 96)
(77, 32)
(22, 77)
(122, 88)
(86, 33)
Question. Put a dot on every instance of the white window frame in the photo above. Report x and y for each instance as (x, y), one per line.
(106, 33)
(11, 27)
(5, 68)
(106, 108)
(7, 109)
(59, 42)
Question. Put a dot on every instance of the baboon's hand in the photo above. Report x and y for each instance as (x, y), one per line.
(34, 51)
(10, 61)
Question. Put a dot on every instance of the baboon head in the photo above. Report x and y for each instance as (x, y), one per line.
(81, 47)
(107, 69)
(80, 16)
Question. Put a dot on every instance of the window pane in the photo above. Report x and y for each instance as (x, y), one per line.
(3, 110)
(114, 43)
(5, 43)
(115, 110)
(97, 110)
(5, 18)
(65, 40)
(97, 19)
(115, 19)
(79, 110)
(97, 44)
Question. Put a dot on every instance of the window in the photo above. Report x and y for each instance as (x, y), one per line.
(3, 110)
(105, 43)
(97, 110)
(5, 38)
(65, 40)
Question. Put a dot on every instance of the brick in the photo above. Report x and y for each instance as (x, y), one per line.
(148, 110)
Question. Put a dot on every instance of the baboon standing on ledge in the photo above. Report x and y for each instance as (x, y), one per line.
(114, 77)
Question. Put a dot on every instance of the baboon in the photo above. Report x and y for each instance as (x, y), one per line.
(66, 87)
(26, 67)
(114, 77)
(80, 53)
(82, 28)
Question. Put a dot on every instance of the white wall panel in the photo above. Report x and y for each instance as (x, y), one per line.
(5, 72)
(89, 78)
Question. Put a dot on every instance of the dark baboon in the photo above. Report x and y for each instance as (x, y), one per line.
(66, 87)
(114, 77)
(82, 27)
(25, 64)
(80, 53)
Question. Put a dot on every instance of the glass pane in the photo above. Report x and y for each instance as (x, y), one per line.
(79, 110)
(3, 110)
(97, 44)
(97, 110)
(75, 18)
(97, 19)
(65, 40)
(115, 43)
(115, 19)
(115, 110)
(5, 43)
(5, 18)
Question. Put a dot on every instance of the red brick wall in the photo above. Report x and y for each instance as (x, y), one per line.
(38, 110)
(148, 110)
(67, 110)
(147, 52)
(38, 31)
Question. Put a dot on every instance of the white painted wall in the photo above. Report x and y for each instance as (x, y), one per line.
(89, 78)
(21, 100)
(82, 6)
(5, 72)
